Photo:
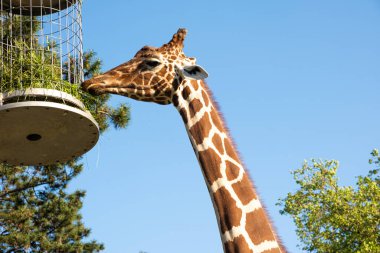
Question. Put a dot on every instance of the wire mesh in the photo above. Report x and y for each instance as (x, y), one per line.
(41, 45)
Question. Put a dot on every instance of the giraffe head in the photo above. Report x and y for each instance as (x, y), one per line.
(152, 75)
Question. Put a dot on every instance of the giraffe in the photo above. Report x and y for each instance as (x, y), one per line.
(165, 75)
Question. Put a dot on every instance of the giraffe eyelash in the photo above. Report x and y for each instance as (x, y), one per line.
(152, 63)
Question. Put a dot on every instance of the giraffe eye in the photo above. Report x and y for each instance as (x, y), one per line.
(152, 63)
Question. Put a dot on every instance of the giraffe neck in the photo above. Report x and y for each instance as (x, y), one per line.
(243, 223)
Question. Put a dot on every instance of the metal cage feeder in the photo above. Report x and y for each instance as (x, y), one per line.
(42, 118)
(36, 7)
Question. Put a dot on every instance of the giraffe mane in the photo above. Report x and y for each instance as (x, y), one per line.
(227, 130)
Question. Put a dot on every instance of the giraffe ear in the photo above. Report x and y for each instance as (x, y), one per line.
(194, 72)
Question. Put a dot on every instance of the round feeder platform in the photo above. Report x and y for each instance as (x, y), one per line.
(42, 127)
(36, 7)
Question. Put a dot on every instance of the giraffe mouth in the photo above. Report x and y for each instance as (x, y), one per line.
(92, 88)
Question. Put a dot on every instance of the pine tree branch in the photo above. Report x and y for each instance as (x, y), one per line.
(22, 189)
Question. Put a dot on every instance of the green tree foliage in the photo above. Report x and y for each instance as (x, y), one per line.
(333, 218)
(37, 214)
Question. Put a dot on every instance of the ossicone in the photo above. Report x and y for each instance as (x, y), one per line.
(176, 43)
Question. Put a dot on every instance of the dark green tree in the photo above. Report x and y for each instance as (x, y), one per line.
(333, 218)
(37, 214)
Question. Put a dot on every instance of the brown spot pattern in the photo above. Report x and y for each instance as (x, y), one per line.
(205, 98)
(200, 129)
(148, 76)
(229, 213)
(276, 250)
(258, 227)
(217, 141)
(232, 171)
(157, 92)
(195, 85)
(162, 71)
(209, 159)
(176, 84)
(175, 100)
(216, 120)
(133, 96)
(195, 106)
(186, 92)
(238, 245)
(244, 190)
(184, 115)
(168, 93)
(230, 150)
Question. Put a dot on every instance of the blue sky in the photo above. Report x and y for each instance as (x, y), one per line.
(294, 79)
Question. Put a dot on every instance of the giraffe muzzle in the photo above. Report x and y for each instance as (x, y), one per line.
(91, 87)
